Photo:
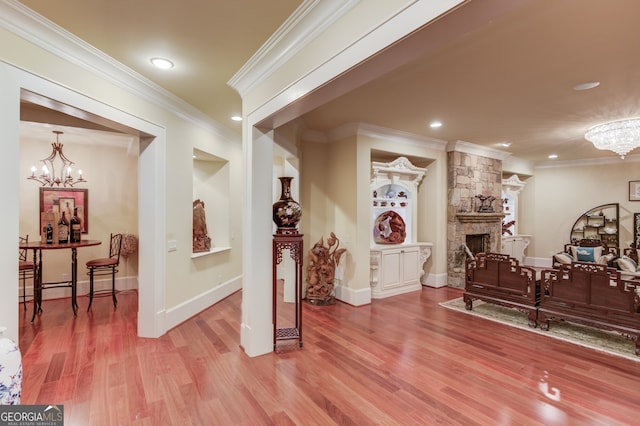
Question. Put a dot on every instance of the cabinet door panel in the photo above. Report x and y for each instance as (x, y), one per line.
(391, 272)
(410, 264)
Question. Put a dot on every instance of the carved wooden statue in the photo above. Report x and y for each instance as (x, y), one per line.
(323, 260)
(486, 205)
(201, 241)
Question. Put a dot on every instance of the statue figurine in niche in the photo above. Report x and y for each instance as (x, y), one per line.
(321, 271)
(389, 228)
(201, 241)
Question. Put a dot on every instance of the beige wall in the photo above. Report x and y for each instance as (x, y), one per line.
(327, 196)
(343, 209)
(554, 198)
(112, 184)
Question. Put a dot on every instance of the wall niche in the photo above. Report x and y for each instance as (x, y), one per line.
(211, 184)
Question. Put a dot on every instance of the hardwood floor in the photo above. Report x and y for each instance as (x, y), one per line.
(399, 361)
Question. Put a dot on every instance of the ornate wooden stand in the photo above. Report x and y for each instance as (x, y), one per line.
(293, 242)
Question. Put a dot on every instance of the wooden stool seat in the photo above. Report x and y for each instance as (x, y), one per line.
(106, 266)
(26, 269)
(107, 261)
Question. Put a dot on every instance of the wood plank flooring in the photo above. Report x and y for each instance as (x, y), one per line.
(399, 361)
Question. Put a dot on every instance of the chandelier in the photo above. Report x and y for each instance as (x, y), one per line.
(53, 176)
(620, 136)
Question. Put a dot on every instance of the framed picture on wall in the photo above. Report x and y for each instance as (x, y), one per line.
(65, 200)
(634, 190)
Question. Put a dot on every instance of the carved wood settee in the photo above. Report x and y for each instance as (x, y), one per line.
(591, 294)
(628, 263)
(499, 279)
(586, 250)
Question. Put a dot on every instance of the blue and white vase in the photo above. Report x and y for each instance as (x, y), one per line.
(10, 371)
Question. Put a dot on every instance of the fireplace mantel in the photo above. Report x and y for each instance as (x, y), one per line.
(479, 217)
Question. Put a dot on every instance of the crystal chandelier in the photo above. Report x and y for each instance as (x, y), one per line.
(53, 176)
(620, 136)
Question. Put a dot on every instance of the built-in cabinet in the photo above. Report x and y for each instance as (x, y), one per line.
(515, 246)
(396, 270)
(397, 259)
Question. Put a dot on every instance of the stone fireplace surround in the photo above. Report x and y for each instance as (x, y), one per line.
(470, 175)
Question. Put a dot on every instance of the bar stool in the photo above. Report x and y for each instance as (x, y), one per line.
(106, 266)
(26, 269)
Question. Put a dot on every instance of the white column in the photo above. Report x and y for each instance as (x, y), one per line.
(9, 173)
(256, 334)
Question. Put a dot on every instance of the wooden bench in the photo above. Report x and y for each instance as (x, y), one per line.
(591, 294)
(499, 279)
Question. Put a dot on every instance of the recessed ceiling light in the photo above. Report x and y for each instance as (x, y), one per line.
(162, 63)
(586, 86)
(435, 124)
(236, 118)
(505, 144)
(553, 156)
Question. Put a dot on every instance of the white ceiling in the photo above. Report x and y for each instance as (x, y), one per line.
(508, 81)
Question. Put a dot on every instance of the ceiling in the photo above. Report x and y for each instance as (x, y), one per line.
(509, 80)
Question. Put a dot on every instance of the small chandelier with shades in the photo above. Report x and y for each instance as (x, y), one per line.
(56, 168)
(620, 136)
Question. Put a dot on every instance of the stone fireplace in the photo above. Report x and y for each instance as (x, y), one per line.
(477, 243)
(472, 178)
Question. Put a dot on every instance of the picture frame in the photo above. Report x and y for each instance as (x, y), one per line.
(634, 190)
(57, 200)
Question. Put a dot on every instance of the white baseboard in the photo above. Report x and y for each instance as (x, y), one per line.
(396, 291)
(191, 307)
(170, 318)
(435, 280)
(353, 297)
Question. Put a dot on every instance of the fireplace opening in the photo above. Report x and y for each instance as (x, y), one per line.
(477, 243)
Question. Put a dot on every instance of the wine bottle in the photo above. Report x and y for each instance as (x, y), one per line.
(76, 227)
(49, 233)
(63, 229)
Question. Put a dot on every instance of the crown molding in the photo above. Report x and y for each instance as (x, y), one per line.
(471, 148)
(27, 24)
(373, 131)
(588, 162)
(315, 136)
(309, 20)
(393, 135)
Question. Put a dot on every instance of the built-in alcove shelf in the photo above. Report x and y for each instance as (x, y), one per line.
(213, 250)
(212, 186)
(479, 217)
(396, 266)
